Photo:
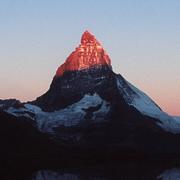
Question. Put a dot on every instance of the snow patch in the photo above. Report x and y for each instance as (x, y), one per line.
(62, 175)
(19, 112)
(68, 117)
(46, 174)
(177, 118)
(173, 174)
(72, 115)
(32, 108)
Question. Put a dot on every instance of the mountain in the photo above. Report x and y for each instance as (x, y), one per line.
(90, 106)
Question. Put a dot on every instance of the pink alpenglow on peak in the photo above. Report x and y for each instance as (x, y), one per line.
(88, 54)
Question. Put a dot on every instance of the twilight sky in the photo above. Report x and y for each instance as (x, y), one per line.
(142, 38)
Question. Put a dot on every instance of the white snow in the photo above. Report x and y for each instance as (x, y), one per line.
(69, 116)
(72, 115)
(32, 108)
(172, 174)
(61, 175)
(19, 112)
(53, 175)
(136, 98)
(177, 118)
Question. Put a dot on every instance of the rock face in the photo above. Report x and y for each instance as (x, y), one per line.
(73, 85)
(89, 53)
(4, 104)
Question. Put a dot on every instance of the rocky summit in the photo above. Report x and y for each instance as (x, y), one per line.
(89, 53)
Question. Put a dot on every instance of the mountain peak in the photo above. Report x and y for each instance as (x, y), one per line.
(89, 53)
(88, 38)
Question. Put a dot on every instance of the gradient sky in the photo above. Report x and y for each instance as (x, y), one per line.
(142, 38)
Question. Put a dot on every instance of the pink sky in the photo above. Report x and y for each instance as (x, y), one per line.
(142, 39)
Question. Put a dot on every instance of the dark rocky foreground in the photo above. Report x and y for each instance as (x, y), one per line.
(35, 168)
(19, 137)
(113, 150)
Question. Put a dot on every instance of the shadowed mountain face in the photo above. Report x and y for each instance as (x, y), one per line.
(73, 85)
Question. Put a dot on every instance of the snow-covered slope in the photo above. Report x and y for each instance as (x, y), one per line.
(89, 105)
(60, 175)
(45, 175)
(177, 118)
(172, 174)
(136, 98)
(94, 108)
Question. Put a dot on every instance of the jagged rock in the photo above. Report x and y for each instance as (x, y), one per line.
(89, 53)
